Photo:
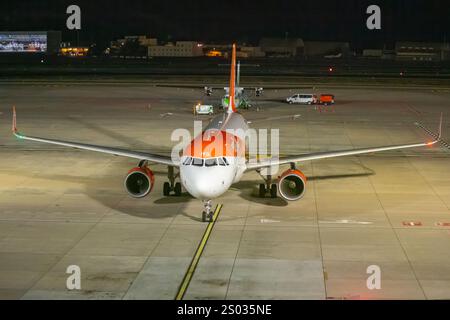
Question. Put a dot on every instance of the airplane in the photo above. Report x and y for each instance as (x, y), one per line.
(240, 98)
(207, 174)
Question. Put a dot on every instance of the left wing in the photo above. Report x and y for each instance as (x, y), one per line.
(114, 151)
(334, 154)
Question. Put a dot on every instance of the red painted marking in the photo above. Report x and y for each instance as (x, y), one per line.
(14, 124)
(412, 223)
(443, 224)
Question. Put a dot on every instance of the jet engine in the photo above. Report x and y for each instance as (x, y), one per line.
(139, 182)
(292, 185)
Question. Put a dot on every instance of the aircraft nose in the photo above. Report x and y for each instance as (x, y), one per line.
(205, 187)
(208, 188)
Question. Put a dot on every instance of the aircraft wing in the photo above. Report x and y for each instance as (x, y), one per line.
(285, 117)
(286, 87)
(221, 87)
(188, 86)
(334, 154)
(114, 151)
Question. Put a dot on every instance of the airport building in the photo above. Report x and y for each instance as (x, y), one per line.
(74, 52)
(30, 42)
(251, 52)
(142, 40)
(277, 47)
(326, 49)
(421, 51)
(177, 49)
(372, 53)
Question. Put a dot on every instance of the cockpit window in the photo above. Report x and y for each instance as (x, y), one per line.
(226, 161)
(197, 162)
(187, 161)
(221, 162)
(211, 162)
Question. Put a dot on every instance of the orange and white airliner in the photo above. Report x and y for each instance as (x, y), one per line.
(207, 171)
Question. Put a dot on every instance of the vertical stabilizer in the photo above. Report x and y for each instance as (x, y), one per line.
(232, 93)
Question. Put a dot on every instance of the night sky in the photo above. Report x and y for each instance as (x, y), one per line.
(231, 20)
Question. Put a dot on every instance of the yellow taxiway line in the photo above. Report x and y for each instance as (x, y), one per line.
(190, 271)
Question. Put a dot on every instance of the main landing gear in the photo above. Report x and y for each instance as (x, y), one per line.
(171, 185)
(268, 187)
(207, 214)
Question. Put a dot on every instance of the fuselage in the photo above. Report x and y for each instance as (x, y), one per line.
(214, 160)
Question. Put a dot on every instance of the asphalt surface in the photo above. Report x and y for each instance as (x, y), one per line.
(62, 207)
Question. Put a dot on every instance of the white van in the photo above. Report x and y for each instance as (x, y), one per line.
(302, 98)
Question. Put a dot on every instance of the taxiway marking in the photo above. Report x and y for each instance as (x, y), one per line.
(190, 271)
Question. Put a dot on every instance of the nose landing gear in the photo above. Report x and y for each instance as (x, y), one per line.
(207, 214)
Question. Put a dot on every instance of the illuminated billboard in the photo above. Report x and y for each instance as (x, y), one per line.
(18, 42)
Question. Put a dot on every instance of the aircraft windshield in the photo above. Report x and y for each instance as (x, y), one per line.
(210, 162)
(197, 162)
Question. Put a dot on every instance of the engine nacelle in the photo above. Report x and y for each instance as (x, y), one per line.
(292, 185)
(139, 182)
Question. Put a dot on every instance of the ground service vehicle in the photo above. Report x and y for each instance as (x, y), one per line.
(326, 99)
(204, 109)
(302, 99)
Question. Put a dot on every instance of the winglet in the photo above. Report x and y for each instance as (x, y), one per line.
(439, 135)
(14, 125)
(14, 121)
(440, 127)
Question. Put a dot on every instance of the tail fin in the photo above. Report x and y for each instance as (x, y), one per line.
(232, 93)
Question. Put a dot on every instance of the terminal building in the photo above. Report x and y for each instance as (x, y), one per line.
(422, 51)
(177, 49)
(282, 48)
(325, 49)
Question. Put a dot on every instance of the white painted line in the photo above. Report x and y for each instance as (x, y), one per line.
(346, 222)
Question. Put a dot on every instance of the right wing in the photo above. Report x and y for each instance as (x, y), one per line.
(286, 117)
(334, 154)
(114, 151)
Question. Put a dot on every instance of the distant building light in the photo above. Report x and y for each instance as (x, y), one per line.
(214, 53)
(74, 52)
